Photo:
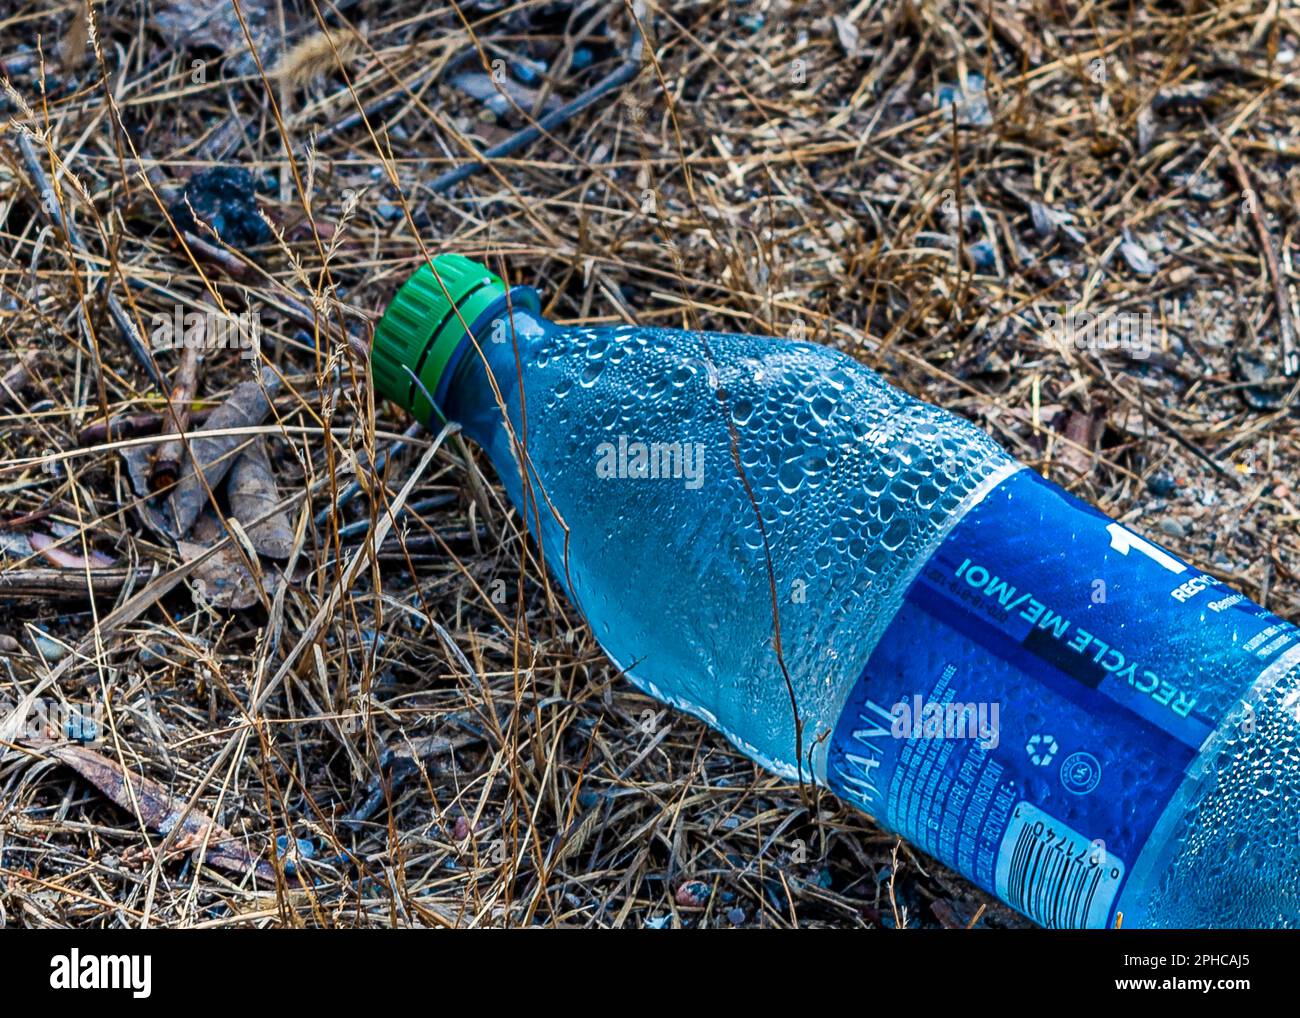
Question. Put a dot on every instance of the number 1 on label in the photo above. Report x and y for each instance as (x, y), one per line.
(1122, 539)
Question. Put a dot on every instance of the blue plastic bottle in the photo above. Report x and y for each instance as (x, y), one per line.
(864, 590)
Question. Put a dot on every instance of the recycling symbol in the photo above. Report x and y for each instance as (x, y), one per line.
(1041, 749)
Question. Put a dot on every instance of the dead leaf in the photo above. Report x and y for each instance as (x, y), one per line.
(1083, 432)
(72, 47)
(160, 810)
(253, 494)
(214, 24)
(138, 462)
(247, 407)
(47, 547)
(222, 580)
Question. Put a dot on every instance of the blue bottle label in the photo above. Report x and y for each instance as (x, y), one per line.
(1036, 702)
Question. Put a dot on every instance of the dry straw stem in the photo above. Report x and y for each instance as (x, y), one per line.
(316, 55)
(775, 168)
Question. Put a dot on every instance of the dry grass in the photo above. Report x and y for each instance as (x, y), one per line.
(768, 170)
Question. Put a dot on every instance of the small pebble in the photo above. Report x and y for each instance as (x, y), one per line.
(1173, 528)
(289, 856)
(692, 894)
(983, 254)
(1161, 485)
(50, 649)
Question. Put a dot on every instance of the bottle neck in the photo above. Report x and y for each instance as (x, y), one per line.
(503, 343)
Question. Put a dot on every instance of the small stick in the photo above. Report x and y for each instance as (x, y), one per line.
(415, 509)
(23, 520)
(232, 266)
(167, 463)
(70, 584)
(116, 429)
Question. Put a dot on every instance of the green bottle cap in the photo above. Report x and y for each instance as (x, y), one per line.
(424, 325)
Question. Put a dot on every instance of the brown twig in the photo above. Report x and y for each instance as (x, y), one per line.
(130, 426)
(70, 584)
(167, 464)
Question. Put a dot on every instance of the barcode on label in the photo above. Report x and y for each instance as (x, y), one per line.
(1055, 875)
